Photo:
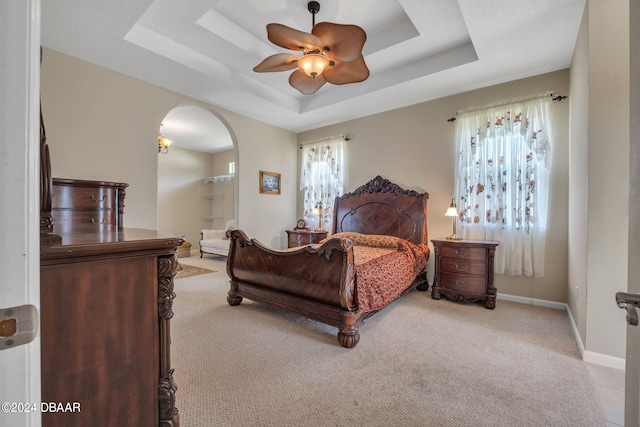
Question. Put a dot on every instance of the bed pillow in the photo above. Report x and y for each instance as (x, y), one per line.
(372, 240)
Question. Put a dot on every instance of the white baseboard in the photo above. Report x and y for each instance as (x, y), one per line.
(604, 360)
(587, 356)
(576, 334)
(533, 301)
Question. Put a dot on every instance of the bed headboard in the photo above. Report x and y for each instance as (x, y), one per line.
(382, 207)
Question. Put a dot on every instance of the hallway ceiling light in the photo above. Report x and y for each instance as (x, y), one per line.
(163, 144)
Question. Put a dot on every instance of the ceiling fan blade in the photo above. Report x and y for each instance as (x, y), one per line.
(290, 38)
(345, 42)
(277, 62)
(305, 84)
(347, 72)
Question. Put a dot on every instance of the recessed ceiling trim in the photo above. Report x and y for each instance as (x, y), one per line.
(222, 27)
(151, 40)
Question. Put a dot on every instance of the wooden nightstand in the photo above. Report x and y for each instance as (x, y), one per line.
(464, 270)
(304, 237)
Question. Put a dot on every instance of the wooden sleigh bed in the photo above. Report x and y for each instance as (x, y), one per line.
(377, 252)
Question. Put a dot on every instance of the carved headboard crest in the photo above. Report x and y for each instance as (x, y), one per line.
(380, 185)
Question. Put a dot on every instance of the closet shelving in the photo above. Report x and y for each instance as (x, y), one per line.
(217, 195)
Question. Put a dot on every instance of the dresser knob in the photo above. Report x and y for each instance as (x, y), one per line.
(93, 221)
(460, 268)
(461, 284)
(461, 254)
(97, 200)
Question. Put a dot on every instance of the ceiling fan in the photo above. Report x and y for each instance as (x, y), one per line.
(331, 53)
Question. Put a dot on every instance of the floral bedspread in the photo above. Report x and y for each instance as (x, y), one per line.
(385, 267)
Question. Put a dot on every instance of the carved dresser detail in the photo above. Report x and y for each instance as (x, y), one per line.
(464, 270)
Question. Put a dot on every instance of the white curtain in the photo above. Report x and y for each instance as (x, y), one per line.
(502, 181)
(322, 179)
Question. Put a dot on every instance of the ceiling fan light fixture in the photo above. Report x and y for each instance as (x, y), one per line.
(313, 64)
(332, 53)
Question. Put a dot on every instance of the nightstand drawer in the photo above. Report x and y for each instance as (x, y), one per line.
(463, 253)
(302, 238)
(448, 265)
(465, 284)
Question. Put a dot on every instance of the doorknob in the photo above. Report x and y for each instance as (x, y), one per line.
(629, 302)
(18, 325)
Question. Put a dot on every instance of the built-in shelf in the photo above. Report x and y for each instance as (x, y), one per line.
(219, 178)
(217, 197)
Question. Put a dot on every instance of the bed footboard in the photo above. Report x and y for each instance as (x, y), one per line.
(315, 281)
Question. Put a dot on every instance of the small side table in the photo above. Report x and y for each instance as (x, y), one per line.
(464, 270)
(304, 237)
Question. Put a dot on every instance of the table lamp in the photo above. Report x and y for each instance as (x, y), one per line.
(452, 211)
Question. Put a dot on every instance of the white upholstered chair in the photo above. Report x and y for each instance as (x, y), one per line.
(214, 241)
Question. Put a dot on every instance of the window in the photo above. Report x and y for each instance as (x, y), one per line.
(322, 180)
(502, 181)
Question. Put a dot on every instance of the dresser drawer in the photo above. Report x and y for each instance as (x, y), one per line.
(66, 219)
(463, 283)
(448, 265)
(463, 253)
(79, 198)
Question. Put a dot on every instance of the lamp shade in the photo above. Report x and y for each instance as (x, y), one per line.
(313, 64)
(452, 210)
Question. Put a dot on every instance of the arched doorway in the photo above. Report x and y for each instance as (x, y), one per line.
(203, 146)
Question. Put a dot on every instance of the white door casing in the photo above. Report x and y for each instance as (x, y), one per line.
(19, 199)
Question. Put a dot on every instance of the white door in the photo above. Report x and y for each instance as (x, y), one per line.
(19, 201)
(632, 371)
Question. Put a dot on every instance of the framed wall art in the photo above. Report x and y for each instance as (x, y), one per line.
(269, 183)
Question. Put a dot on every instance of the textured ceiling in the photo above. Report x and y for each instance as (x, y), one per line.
(416, 50)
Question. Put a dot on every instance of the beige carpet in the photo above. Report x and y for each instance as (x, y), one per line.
(420, 362)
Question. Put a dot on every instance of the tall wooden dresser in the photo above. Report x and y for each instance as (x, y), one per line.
(106, 301)
(106, 295)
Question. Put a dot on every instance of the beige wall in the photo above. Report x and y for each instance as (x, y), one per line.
(599, 179)
(103, 125)
(579, 180)
(182, 205)
(415, 148)
(608, 180)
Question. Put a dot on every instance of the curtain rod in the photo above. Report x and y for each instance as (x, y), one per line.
(511, 101)
(344, 138)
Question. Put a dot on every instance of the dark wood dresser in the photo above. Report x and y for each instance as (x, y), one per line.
(106, 303)
(304, 237)
(81, 202)
(464, 270)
